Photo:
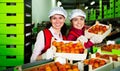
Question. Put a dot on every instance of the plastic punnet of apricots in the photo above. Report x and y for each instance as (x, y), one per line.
(71, 50)
(98, 29)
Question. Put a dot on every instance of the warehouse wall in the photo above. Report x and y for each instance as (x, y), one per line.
(40, 9)
(67, 20)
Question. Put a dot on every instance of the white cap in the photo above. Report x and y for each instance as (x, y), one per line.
(77, 12)
(57, 10)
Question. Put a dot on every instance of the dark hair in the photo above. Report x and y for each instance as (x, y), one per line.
(64, 29)
(48, 24)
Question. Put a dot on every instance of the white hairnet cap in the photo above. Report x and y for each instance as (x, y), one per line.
(77, 12)
(57, 10)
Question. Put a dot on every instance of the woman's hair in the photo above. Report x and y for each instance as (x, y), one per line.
(48, 24)
(64, 29)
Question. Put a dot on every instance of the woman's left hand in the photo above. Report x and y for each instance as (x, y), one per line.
(82, 39)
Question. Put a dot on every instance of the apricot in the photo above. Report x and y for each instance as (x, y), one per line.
(75, 68)
(115, 57)
(98, 29)
(41, 68)
(86, 61)
(77, 51)
(59, 50)
(95, 65)
(67, 66)
(102, 62)
(54, 43)
(58, 64)
(91, 61)
(81, 50)
(69, 70)
(98, 55)
(54, 68)
(48, 68)
(62, 68)
(61, 43)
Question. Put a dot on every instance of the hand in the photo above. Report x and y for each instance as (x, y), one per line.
(61, 60)
(82, 39)
(96, 39)
(50, 53)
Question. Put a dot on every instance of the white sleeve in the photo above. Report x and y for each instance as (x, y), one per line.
(38, 47)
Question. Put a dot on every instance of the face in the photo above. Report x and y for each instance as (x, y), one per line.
(57, 21)
(78, 22)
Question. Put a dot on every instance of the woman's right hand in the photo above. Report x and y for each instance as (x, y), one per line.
(39, 58)
(49, 54)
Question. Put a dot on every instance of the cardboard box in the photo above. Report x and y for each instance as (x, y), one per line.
(52, 66)
(107, 67)
(72, 56)
(89, 35)
(113, 51)
(113, 66)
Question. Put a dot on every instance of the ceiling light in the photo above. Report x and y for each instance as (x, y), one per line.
(59, 3)
(93, 2)
(86, 7)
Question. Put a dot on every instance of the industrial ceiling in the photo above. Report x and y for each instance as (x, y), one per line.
(72, 4)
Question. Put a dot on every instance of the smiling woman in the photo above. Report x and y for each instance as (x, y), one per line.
(78, 27)
(42, 48)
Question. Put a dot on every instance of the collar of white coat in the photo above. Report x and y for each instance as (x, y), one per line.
(56, 36)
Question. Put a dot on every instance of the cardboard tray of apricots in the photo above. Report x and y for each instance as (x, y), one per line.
(54, 66)
(108, 49)
(99, 64)
(111, 49)
(95, 64)
(71, 50)
(108, 67)
(98, 29)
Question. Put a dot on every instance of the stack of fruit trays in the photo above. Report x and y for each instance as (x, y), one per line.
(99, 30)
(71, 50)
(54, 66)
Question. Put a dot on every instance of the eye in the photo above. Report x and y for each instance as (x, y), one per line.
(74, 19)
(60, 17)
(81, 18)
(53, 18)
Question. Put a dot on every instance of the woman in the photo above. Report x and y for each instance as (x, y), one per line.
(77, 19)
(57, 17)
